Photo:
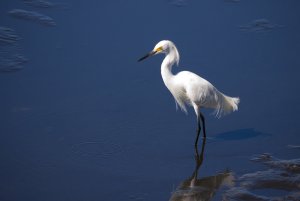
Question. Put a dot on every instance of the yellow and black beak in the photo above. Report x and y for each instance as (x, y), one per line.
(147, 55)
(153, 52)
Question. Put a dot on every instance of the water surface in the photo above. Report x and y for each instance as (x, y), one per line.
(82, 120)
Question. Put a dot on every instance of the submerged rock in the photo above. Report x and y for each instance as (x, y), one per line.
(283, 175)
(238, 193)
(292, 166)
(273, 179)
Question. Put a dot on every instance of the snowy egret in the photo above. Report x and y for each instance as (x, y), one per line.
(189, 88)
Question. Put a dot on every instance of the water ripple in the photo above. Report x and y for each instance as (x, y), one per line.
(32, 16)
(259, 25)
(8, 36)
(102, 148)
(44, 4)
(10, 60)
(12, 64)
(39, 3)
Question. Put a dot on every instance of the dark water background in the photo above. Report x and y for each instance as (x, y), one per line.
(82, 120)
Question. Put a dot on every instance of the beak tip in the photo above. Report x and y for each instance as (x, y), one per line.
(147, 55)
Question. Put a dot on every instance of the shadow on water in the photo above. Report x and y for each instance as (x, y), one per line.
(204, 188)
(240, 134)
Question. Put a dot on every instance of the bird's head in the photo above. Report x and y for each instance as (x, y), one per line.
(164, 46)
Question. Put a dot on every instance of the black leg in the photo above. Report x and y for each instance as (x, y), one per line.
(198, 131)
(199, 158)
(203, 124)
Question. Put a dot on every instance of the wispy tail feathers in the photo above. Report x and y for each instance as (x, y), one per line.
(227, 105)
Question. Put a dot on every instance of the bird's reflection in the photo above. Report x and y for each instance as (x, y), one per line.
(204, 188)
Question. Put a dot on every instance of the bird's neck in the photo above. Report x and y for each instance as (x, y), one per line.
(166, 68)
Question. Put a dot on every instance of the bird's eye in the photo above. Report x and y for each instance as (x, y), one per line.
(159, 49)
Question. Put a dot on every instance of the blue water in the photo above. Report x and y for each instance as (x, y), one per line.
(81, 119)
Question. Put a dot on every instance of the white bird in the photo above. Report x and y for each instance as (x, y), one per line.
(189, 88)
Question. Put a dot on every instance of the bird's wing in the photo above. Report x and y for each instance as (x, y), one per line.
(198, 90)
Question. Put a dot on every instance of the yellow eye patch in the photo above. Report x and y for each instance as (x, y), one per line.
(159, 49)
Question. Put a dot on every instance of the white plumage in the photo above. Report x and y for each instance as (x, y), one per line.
(189, 88)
